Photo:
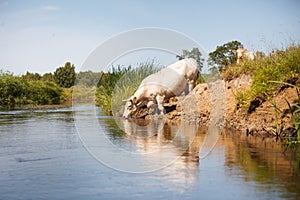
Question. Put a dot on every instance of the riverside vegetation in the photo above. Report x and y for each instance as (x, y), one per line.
(33, 89)
(270, 75)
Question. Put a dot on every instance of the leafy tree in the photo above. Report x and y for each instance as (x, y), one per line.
(65, 76)
(47, 77)
(88, 78)
(32, 76)
(194, 53)
(12, 89)
(44, 93)
(223, 55)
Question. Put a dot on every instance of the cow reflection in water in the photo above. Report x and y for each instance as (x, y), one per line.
(179, 139)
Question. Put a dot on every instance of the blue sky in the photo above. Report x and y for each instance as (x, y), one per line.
(39, 36)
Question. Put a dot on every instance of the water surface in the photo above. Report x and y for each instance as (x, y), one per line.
(42, 157)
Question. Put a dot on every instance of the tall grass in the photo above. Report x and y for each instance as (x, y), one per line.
(281, 65)
(120, 83)
(294, 109)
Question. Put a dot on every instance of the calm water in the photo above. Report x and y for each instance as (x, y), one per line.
(42, 157)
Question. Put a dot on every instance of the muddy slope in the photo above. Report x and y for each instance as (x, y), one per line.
(209, 100)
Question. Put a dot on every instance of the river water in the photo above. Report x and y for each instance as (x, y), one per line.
(57, 154)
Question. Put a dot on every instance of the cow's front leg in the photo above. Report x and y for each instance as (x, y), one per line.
(160, 101)
(191, 85)
(150, 105)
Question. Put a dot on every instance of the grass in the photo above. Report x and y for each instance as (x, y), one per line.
(119, 84)
(270, 75)
(282, 66)
(294, 109)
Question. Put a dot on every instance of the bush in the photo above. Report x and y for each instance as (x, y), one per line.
(17, 91)
(12, 90)
(44, 93)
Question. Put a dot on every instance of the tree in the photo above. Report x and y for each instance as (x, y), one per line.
(223, 55)
(88, 78)
(48, 77)
(194, 53)
(32, 76)
(65, 76)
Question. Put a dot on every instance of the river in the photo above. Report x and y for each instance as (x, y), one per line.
(62, 154)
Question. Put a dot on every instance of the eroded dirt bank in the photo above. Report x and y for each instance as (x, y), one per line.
(211, 100)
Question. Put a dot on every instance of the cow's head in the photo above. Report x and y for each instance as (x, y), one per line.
(239, 52)
(130, 107)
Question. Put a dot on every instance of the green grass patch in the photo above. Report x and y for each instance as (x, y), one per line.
(281, 65)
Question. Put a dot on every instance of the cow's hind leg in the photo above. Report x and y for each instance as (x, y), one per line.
(160, 101)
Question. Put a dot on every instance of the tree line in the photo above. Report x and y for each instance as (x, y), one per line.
(50, 88)
(46, 89)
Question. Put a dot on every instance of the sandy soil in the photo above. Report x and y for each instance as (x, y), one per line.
(210, 100)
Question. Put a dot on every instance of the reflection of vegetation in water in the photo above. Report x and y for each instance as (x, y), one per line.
(120, 83)
(264, 163)
(112, 128)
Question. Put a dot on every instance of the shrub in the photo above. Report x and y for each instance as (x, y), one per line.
(17, 91)
(44, 93)
(12, 90)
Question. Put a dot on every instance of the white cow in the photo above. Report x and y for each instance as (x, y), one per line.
(243, 53)
(169, 82)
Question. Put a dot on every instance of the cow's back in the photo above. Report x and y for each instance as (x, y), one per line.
(187, 67)
(165, 82)
(172, 80)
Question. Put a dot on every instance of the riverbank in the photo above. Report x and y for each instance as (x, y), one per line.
(262, 119)
(271, 117)
(260, 97)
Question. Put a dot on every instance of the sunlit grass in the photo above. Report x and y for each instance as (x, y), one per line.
(281, 65)
(121, 83)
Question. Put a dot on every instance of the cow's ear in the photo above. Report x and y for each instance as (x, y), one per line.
(134, 100)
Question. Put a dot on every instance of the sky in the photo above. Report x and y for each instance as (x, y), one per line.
(39, 36)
